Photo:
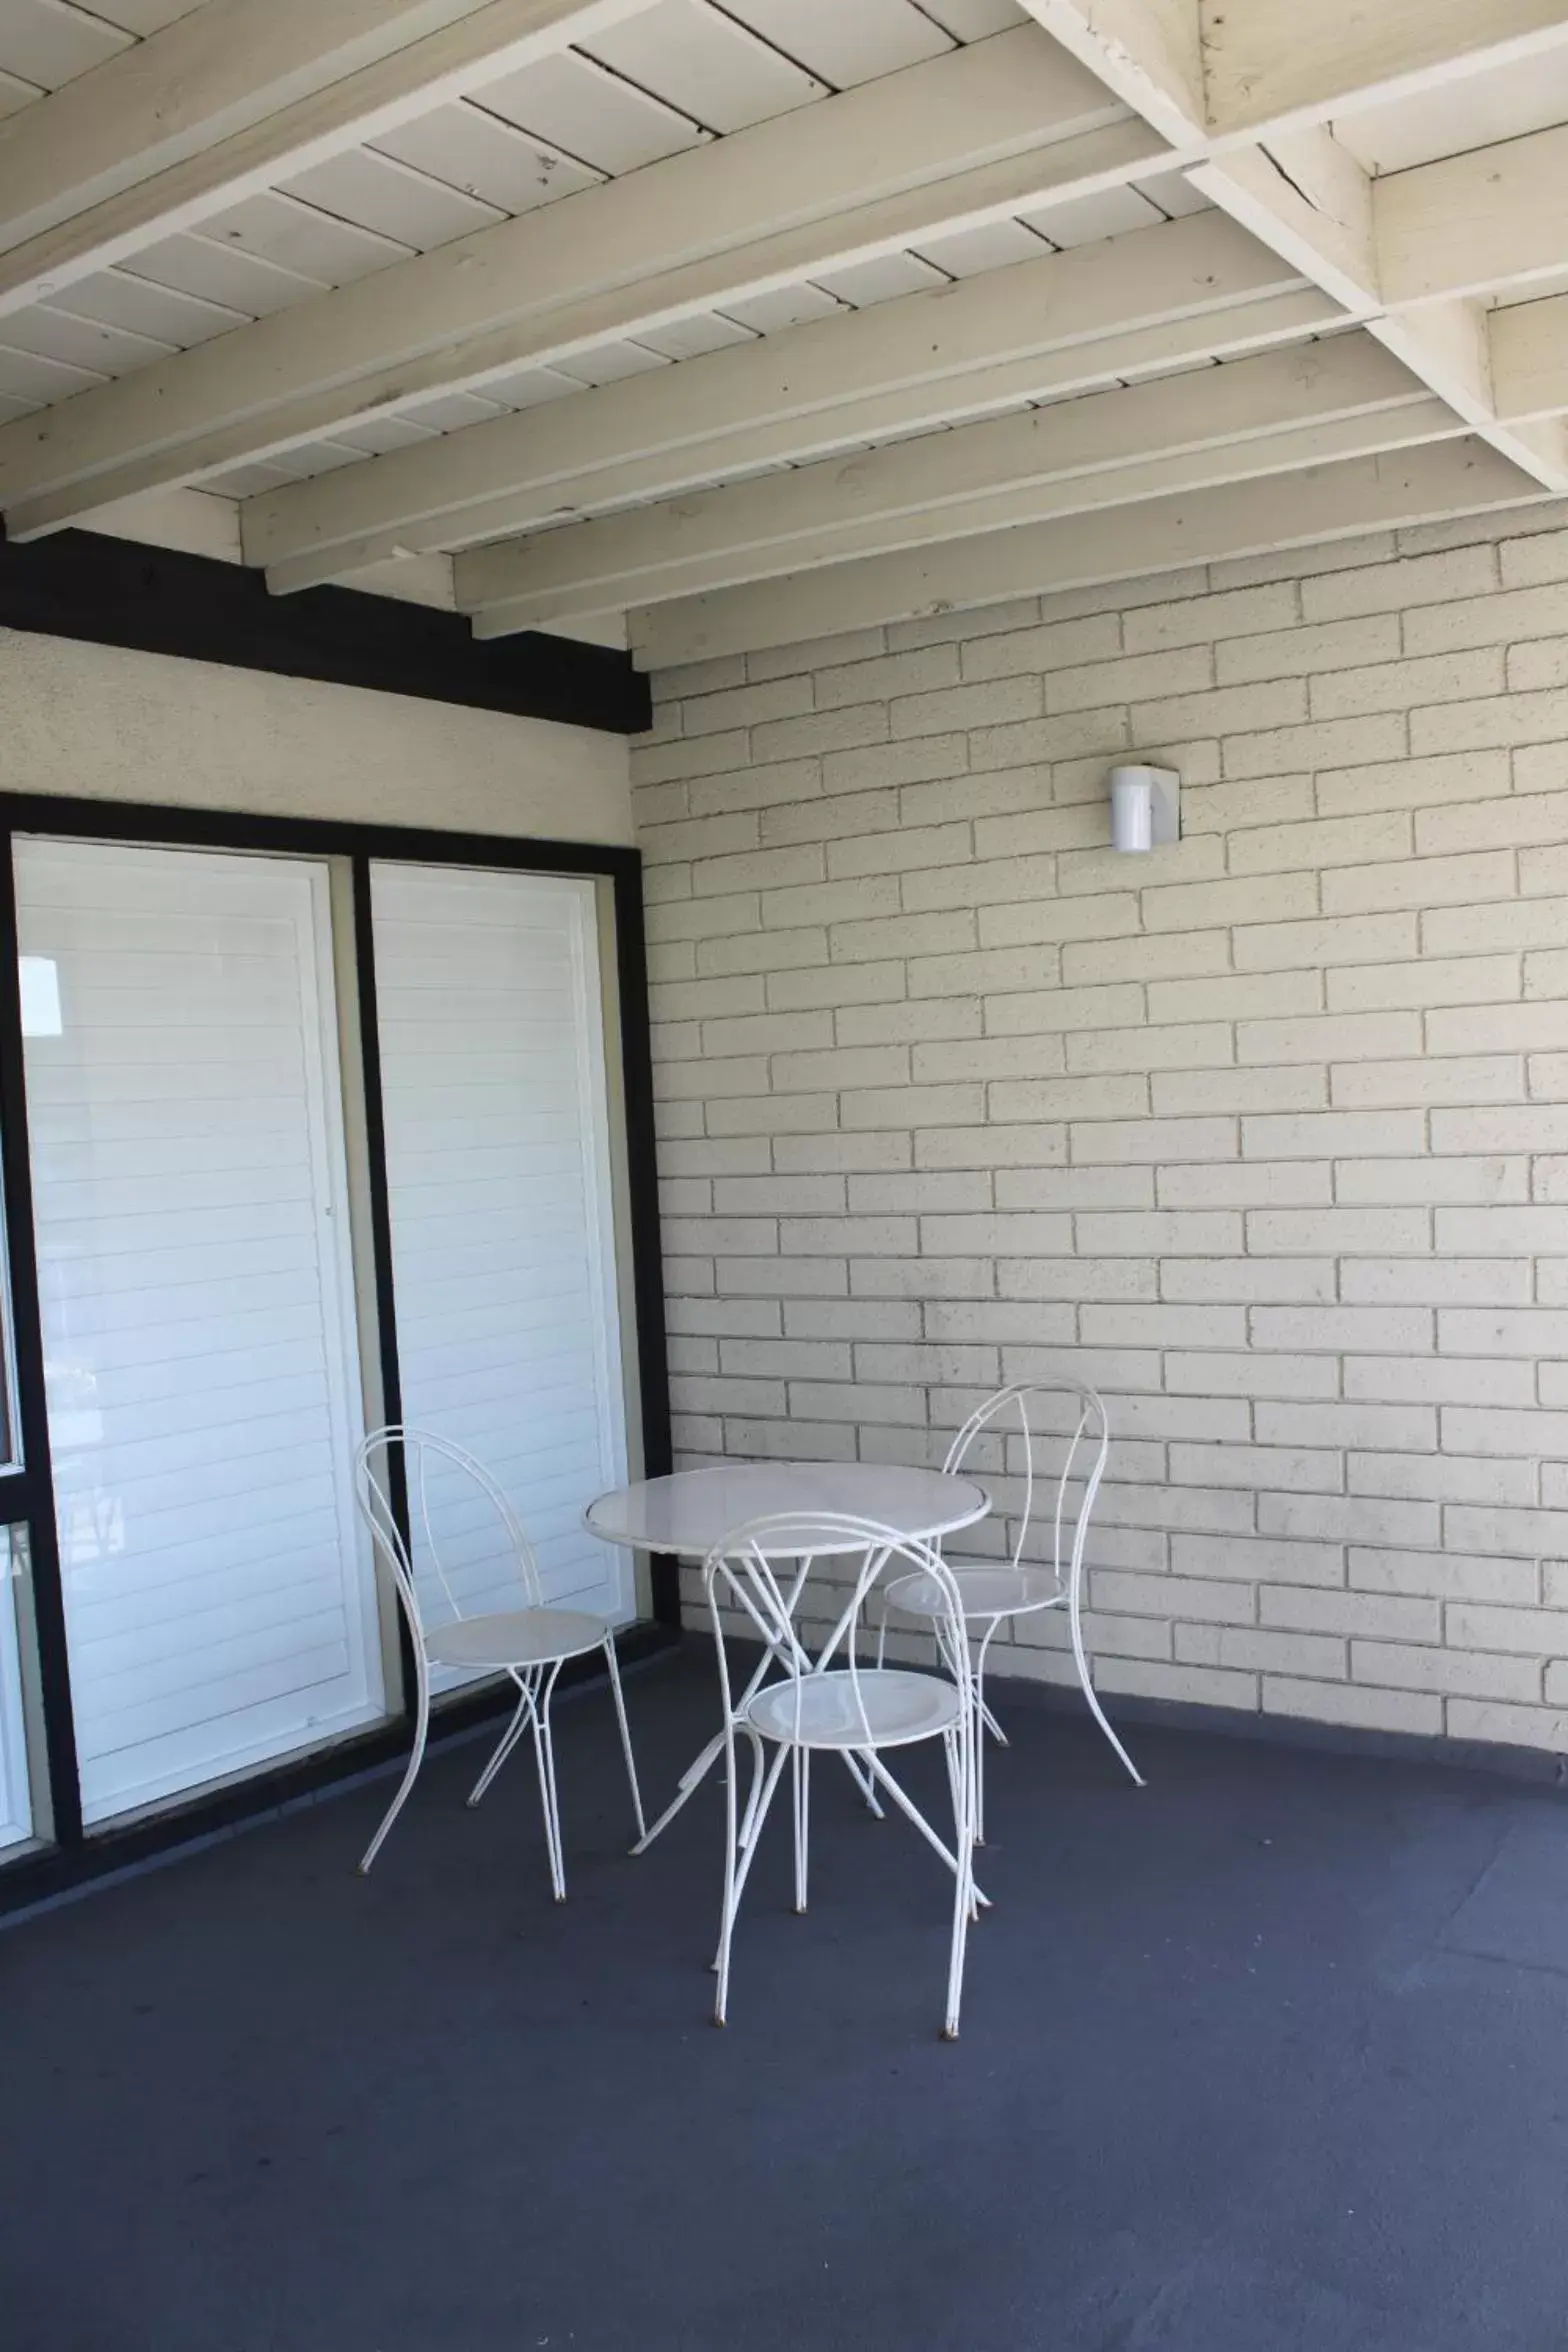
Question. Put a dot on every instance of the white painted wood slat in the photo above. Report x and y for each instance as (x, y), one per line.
(704, 62)
(493, 1082)
(190, 1198)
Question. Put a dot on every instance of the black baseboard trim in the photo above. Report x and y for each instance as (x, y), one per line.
(1535, 1765)
(1538, 1766)
(86, 585)
(39, 1882)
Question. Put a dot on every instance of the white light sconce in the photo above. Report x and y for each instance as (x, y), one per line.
(1145, 809)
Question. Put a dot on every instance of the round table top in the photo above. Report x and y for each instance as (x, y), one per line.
(692, 1510)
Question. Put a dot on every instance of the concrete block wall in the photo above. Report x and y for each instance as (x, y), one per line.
(1266, 1135)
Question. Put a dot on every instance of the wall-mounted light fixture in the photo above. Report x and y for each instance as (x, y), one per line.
(1145, 808)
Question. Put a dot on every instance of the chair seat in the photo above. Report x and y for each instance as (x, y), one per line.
(984, 1592)
(894, 1705)
(515, 1637)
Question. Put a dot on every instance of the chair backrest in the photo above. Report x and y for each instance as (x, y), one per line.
(426, 1458)
(761, 1570)
(1089, 1435)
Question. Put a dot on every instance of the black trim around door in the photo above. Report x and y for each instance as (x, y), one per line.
(86, 585)
(26, 1495)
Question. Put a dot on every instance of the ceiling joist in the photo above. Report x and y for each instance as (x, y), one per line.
(864, 462)
(1321, 503)
(224, 101)
(1155, 297)
(1212, 424)
(976, 132)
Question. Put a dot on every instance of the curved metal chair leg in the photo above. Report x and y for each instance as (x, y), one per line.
(626, 1737)
(544, 1755)
(1092, 1696)
(410, 1775)
(508, 1741)
(964, 1890)
(740, 1846)
(802, 1773)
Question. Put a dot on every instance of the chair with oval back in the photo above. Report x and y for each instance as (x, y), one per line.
(835, 1704)
(994, 1593)
(531, 1642)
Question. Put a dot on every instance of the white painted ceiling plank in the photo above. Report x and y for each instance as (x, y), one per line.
(1505, 103)
(1258, 460)
(49, 45)
(450, 412)
(27, 375)
(781, 307)
(690, 338)
(222, 273)
(374, 191)
(973, 253)
(1320, 503)
(705, 64)
(15, 94)
(611, 363)
(845, 44)
(1065, 319)
(142, 17)
(223, 104)
(1085, 220)
(1487, 219)
(1351, 376)
(891, 275)
(375, 436)
(141, 308)
(484, 157)
(80, 343)
(974, 20)
(302, 238)
(587, 111)
(823, 174)
(1274, 62)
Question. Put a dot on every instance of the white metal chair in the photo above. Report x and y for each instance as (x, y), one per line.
(993, 1593)
(531, 1643)
(835, 1704)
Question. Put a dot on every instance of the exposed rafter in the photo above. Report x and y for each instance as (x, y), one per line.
(858, 459)
(975, 133)
(1323, 502)
(1150, 299)
(224, 100)
(1252, 417)
(1302, 191)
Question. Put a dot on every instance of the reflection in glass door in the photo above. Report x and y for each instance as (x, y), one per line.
(191, 1211)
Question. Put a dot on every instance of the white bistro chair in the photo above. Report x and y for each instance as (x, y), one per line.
(834, 1704)
(531, 1643)
(994, 1593)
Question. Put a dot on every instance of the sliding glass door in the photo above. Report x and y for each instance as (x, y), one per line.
(296, 1135)
(191, 1211)
(499, 1188)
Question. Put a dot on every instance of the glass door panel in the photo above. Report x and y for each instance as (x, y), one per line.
(498, 1169)
(191, 1206)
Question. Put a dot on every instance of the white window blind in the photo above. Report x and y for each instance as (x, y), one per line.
(192, 1222)
(498, 1169)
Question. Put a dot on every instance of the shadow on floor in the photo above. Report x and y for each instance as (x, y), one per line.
(1271, 2057)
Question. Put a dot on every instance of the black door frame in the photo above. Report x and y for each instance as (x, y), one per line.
(27, 1494)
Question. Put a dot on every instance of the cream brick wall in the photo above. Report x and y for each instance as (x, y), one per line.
(1266, 1135)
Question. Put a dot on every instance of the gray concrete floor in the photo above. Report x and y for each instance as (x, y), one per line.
(1272, 2057)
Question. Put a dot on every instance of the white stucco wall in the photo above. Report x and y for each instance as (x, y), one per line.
(98, 722)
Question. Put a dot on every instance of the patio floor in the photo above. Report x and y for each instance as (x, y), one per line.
(1272, 2057)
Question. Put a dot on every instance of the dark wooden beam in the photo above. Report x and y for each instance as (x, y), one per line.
(159, 600)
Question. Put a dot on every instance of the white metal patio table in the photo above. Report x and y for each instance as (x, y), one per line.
(692, 1510)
